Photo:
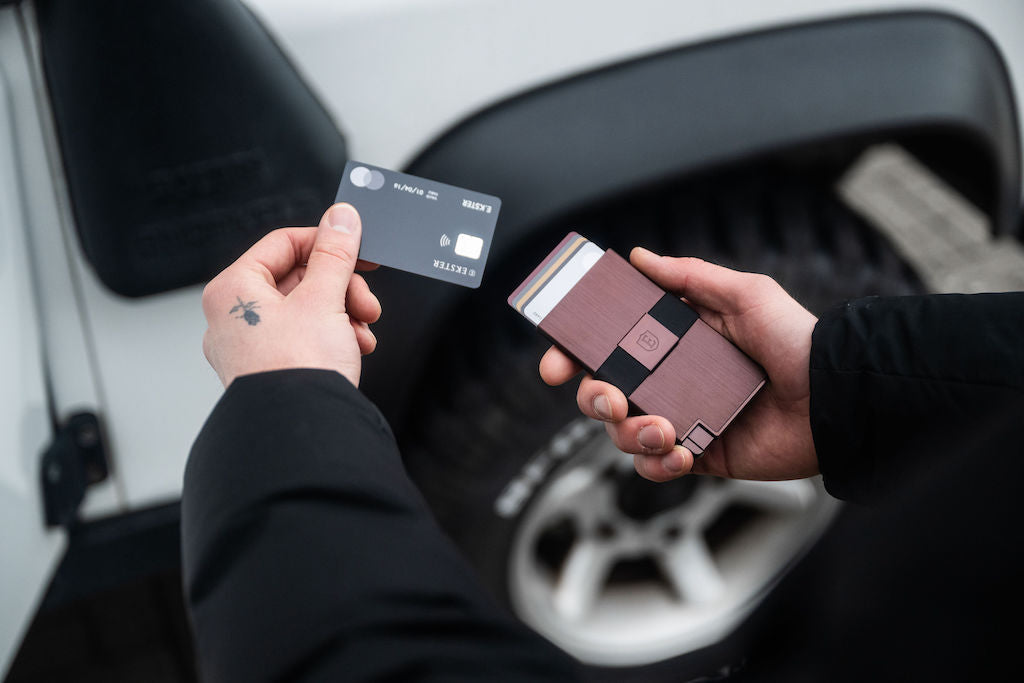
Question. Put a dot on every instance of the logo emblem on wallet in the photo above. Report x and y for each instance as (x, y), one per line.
(647, 341)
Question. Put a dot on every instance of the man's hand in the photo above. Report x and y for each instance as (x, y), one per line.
(293, 301)
(771, 439)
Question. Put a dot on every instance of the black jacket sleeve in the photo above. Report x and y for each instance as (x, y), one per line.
(899, 386)
(309, 555)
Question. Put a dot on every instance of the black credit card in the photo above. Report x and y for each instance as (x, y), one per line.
(420, 225)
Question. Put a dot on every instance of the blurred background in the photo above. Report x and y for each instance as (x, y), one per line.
(845, 147)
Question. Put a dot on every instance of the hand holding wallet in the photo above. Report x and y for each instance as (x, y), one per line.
(626, 330)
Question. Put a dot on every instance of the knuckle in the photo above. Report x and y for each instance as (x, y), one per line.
(370, 344)
(640, 465)
(753, 289)
(211, 293)
(210, 289)
(279, 236)
(335, 252)
(208, 345)
(581, 400)
(643, 468)
(763, 284)
(585, 394)
(616, 432)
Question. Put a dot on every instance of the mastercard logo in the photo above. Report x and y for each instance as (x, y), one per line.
(364, 177)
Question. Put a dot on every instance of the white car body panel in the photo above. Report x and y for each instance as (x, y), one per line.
(68, 351)
(396, 74)
(29, 551)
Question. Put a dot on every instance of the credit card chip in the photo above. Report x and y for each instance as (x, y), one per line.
(468, 246)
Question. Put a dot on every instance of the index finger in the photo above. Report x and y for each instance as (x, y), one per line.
(275, 255)
(557, 368)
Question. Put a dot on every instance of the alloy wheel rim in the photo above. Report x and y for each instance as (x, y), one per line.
(616, 588)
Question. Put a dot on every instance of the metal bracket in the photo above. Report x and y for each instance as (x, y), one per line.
(75, 459)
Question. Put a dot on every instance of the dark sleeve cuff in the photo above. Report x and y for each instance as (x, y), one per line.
(837, 415)
(900, 383)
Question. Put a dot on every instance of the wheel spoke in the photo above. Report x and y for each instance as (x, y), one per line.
(702, 509)
(780, 496)
(585, 497)
(582, 578)
(688, 565)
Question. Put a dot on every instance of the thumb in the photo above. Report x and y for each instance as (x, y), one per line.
(333, 257)
(705, 284)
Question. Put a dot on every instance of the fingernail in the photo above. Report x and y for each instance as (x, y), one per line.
(644, 253)
(651, 437)
(602, 407)
(343, 218)
(673, 461)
